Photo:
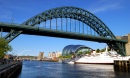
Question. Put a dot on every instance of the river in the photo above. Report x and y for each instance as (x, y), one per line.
(40, 69)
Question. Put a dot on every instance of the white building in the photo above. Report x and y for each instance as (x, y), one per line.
(40, 56)
(54, 54)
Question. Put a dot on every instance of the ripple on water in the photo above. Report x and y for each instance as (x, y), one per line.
(35, 69)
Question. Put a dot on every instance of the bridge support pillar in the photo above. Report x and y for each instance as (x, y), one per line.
(127, 46)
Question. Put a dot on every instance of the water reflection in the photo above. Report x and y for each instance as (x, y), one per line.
(38, 69)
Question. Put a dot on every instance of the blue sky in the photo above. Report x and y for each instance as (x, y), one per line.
(114, 13)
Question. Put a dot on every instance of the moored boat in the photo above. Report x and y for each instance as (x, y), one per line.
(106, 58)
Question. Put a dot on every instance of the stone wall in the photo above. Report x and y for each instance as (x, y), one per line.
(11, 70)
(128, 46)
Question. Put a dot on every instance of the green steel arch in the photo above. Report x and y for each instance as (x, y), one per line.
(74, 13)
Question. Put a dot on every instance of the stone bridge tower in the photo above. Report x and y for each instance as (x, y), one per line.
(128, 46)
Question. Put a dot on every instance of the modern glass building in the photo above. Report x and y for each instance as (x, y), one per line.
(75, 49)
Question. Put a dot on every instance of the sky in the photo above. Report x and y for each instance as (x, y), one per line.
(114, 13)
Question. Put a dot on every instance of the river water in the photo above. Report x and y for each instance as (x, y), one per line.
(40, 69)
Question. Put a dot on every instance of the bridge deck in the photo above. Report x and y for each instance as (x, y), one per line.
(56, 33)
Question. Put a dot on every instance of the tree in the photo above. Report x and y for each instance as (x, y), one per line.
(4, 47)
(98, 50)
(66, 56)
(87, 52)
(102, 50)
(60, 57)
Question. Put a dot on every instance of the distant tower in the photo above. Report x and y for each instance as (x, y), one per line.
(53, 54)
(41, 55)
(49, 55)
(58, 54)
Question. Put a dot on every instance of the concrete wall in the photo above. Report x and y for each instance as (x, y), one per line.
(128, 46)
(11, 70)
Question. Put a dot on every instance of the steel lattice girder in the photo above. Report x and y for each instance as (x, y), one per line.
(68, 12)
(118, 46)
(75, 13)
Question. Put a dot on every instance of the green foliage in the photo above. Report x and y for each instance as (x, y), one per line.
(98, 50)
(66, 56)
(87, 52)
(102, 50)
(60, 57)
(4, 47)
(80, 53)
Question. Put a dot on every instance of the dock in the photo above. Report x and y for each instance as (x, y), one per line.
(122, 65)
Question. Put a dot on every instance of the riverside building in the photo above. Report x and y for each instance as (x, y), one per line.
(75, 49)
(54, 54)
(41, 55)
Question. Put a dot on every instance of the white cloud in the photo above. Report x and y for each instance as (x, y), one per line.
(105, 6)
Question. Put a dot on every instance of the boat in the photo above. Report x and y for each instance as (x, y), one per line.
(106, 58)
